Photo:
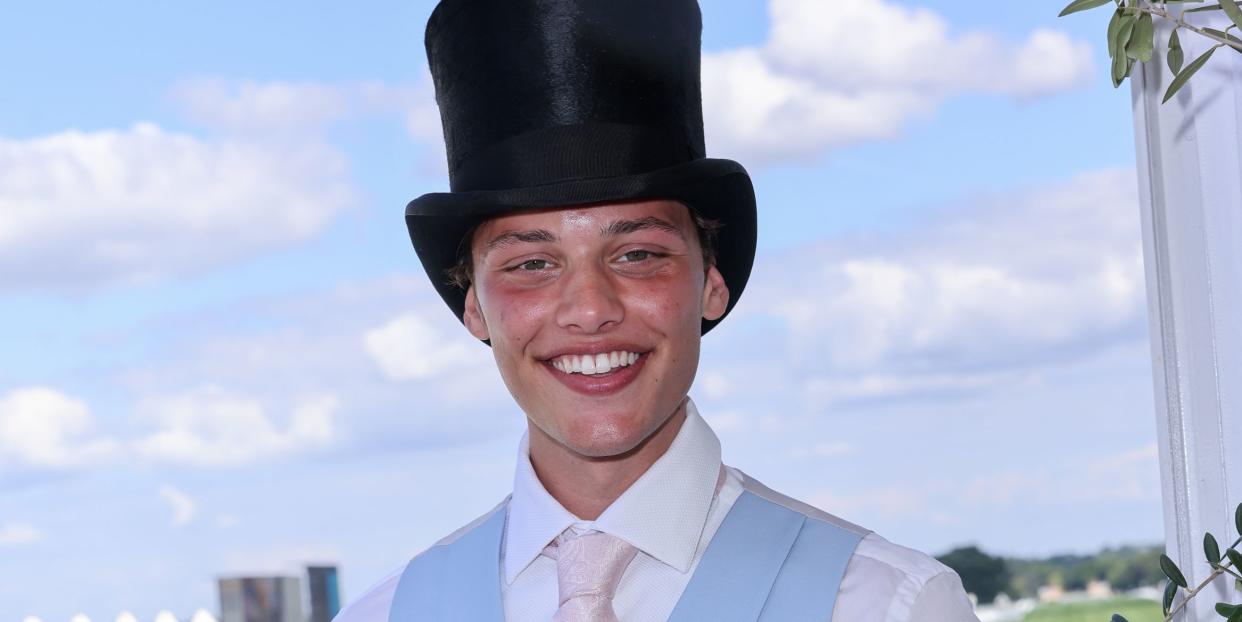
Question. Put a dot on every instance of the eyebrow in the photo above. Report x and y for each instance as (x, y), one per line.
(509, 238)
(612, 229)
(622, 227)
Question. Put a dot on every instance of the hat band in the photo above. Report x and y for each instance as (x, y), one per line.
(562, 153)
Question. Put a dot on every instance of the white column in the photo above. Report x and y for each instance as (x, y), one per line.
(1190, 185)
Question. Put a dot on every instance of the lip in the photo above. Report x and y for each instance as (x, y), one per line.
(598, 385)
(600, 347)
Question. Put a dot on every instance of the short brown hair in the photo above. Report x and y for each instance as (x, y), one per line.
(461, 273)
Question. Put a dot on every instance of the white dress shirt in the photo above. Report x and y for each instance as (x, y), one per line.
(670, 514)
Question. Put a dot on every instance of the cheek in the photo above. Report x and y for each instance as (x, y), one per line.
(666, 303)
(513, 315)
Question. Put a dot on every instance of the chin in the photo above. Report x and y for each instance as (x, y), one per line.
(604, 436)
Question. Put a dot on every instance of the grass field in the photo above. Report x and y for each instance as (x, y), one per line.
(1098, 611)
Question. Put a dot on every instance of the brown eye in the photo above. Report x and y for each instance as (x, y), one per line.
(532, 265)
(637, 255)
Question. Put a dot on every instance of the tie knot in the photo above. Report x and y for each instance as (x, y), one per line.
(588, 569)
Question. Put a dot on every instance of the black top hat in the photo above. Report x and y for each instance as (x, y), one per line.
(549, 103)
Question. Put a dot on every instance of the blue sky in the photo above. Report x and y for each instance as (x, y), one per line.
(212, 317)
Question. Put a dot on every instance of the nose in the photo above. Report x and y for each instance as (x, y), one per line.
(589, 301)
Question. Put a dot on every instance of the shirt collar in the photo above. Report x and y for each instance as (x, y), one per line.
(662, 513)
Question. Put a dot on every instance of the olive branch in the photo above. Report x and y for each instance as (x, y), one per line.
(1132, 31)
(1228, 564)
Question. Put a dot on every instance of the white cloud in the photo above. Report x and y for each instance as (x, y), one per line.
(1129, 475)
(289, 110)
(209, 427)
(833, 74)
(825, 449)
(759, 115)
(280, 559)
(18, 534)
(261, 106)
(1124, 476)
(410, 347)
(273, 107)
(182, 505)
(875, 43)
(42, 428)
(977, 297)
(90, 208)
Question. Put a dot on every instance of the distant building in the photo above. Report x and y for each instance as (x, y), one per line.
(1051, 594)
(325, 595)
(1099, 589)
(261, 599)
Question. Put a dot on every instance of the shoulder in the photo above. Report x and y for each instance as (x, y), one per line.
(913, 585)
(884, 581)
(753, 486)
(374, 604)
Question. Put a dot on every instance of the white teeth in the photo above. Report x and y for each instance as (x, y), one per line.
(591, 364)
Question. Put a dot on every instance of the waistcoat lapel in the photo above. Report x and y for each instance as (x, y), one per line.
(455, 581)
(769, 563)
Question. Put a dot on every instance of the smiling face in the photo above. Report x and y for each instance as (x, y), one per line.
(594, 318)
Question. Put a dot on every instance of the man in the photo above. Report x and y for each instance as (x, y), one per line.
(589, 241)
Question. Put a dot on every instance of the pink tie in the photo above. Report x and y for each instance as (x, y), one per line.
(588, 569)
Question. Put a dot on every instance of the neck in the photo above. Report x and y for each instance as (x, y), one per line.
(587, 485)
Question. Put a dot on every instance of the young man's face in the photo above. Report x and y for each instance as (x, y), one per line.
(565, 294)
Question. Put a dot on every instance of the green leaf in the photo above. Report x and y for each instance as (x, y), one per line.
(1081, 5)
(1124, 30)
(1114, 27)
(1120, 65)
(1237, 518)
(1236, 616)
(1235, 557)
(1142, 41)
(1223, 35)
(1117, 617)
(1170, 590)
(1211, 549)
(1225, 609)
(1184, 74)
(1175, 56)
(1171, 571)
(1117, 47)
(1231, 9)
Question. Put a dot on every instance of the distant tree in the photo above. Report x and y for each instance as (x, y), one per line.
(982, 575)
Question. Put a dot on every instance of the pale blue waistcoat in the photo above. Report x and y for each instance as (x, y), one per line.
(766, 562)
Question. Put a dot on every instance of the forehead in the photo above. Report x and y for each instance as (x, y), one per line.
(584, 219)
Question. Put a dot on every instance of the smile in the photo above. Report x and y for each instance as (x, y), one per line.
(597, 374)
(592, 364)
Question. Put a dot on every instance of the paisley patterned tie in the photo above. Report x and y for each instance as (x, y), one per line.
(588, 569)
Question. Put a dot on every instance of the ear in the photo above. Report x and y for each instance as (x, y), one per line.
(715, 295)
(473, 317)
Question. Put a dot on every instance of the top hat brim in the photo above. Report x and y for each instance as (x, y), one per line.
(718, 189)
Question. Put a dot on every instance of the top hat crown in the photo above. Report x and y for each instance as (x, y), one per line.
(535, 91)
(549, 103)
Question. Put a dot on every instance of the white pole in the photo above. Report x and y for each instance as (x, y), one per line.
(1190, 186)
